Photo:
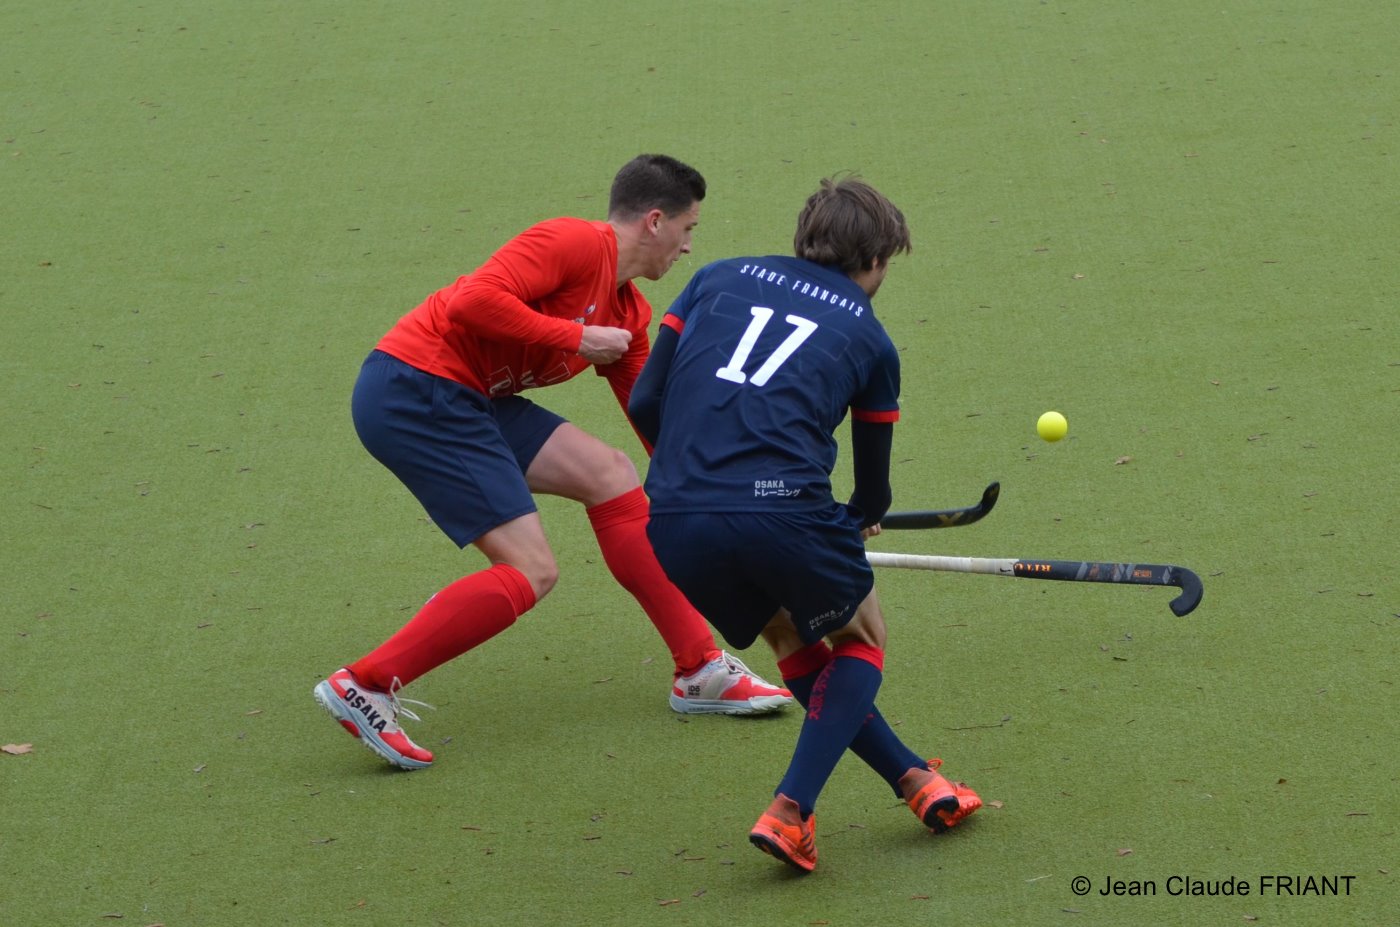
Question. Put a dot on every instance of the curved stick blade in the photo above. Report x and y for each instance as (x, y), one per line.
(1191, 592)
(943, 518)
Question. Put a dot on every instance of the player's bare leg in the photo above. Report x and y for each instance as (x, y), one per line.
(521, 543)
(575, 465)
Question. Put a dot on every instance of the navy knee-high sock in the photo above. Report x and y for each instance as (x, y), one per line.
(841, 697)
(876, 743)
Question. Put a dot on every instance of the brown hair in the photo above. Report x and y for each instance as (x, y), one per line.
(849, 224)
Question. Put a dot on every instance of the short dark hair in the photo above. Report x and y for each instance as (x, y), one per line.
(654, 181)
(851, 225)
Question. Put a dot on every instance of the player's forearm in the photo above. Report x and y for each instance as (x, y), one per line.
(644, 404)
(870, 454)
(491, 312)
(622, 378)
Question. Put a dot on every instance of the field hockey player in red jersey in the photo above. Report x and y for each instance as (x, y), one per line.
(439, 402)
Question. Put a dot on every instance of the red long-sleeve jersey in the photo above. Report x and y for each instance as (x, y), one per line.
(516, 321)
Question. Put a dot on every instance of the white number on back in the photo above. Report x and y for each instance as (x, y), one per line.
(734, 370)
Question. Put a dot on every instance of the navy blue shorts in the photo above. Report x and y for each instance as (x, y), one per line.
(461, 454)
(739, 568)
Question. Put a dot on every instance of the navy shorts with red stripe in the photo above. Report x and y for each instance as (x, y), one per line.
(739, 568)
(462, 455)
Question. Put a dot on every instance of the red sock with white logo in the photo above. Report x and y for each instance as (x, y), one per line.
(465, 615)
(621, 527)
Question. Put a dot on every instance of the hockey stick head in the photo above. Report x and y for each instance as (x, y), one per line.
(943, 518)
(988, 500)
(1191, 591)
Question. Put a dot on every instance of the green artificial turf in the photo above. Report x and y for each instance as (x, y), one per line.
(1174, 223)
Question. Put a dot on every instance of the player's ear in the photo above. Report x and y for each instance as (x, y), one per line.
(654, 218)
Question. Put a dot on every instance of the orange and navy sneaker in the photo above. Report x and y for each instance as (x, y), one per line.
(782, 834)
(373, 717)
(725, 686)
(940, 804)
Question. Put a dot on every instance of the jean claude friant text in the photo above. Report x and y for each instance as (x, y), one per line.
(1275, 884)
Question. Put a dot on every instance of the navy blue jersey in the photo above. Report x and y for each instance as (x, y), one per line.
(771, 354)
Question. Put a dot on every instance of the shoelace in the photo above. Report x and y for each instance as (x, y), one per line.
(734, 663)
(398, 703)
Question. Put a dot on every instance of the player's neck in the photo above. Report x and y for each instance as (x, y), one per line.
(630, 250)
(870, 279)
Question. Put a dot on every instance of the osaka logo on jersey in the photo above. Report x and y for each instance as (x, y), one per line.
(764, 488)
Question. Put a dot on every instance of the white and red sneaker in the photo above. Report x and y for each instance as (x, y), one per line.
(373, 717)
(725, 686)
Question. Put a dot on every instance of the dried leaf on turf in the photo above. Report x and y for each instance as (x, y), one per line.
(17, 749)
(1125, 851)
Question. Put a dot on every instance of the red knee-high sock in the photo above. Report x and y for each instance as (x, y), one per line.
(621, 527)
(466, 614)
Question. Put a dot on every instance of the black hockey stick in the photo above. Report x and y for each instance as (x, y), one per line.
(943, 518)
(1075, 571)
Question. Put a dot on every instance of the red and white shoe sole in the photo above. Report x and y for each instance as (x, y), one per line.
(327, 698)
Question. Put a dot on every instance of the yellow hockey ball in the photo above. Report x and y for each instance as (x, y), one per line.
(1052, 426)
